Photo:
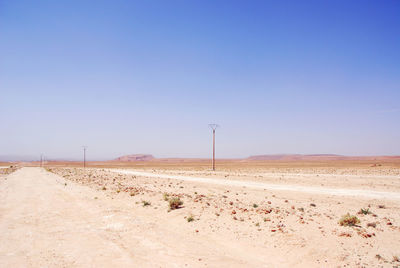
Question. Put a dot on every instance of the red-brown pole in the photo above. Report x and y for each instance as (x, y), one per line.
(213, 162)
(84, 156)
(213, 127)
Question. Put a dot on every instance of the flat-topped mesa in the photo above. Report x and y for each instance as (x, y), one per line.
(135, 157)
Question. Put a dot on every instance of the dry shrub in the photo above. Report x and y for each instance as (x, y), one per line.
(364, 211)
(349, 220)
(190, 218)
(146, 203)
(175, 203)
(165, 196)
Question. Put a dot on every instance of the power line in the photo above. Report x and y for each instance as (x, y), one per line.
(213, 127)
(84, 156)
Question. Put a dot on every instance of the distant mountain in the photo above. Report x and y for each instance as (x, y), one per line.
(134, 157)
(18, 158)
(316, 157)
(291, 157)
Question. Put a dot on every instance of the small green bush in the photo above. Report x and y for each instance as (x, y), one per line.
(146, 203)
(175, 203)
(165, 196)
(364, 211)
(349, 220)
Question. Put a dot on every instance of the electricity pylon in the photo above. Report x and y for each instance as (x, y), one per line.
(84, 156)
(213, 127)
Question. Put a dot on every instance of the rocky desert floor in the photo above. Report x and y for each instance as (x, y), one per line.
(283, 216)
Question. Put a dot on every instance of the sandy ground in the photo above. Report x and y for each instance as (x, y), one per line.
(45, 223)
(278, 187)
(98, 218)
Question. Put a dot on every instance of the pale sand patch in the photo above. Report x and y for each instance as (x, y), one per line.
(278, 187)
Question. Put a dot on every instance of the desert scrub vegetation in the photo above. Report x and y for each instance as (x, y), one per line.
(165, 196)
(349, 220)
(175, 203)
(190, 218)
(364, 211)
(146, 203)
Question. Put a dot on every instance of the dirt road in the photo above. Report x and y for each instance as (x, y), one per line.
(275, 187)
(46, 221)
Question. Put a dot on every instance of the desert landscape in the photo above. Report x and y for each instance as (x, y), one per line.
(169, 212)
(199, 134)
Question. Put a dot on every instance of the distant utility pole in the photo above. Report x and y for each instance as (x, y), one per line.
(41, 160)
(84, 156)
(213, 127)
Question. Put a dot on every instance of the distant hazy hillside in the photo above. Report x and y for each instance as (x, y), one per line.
(135, 157)
(17, 158)
(290, 157)
(322, 157)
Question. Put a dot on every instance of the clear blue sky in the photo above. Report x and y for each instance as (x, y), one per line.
(148, 76)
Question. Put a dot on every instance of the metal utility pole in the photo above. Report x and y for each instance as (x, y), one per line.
(41, 160)
(84, 156)
(213, 127)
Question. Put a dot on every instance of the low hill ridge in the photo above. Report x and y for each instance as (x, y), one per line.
(320, 157)
(135, 157)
